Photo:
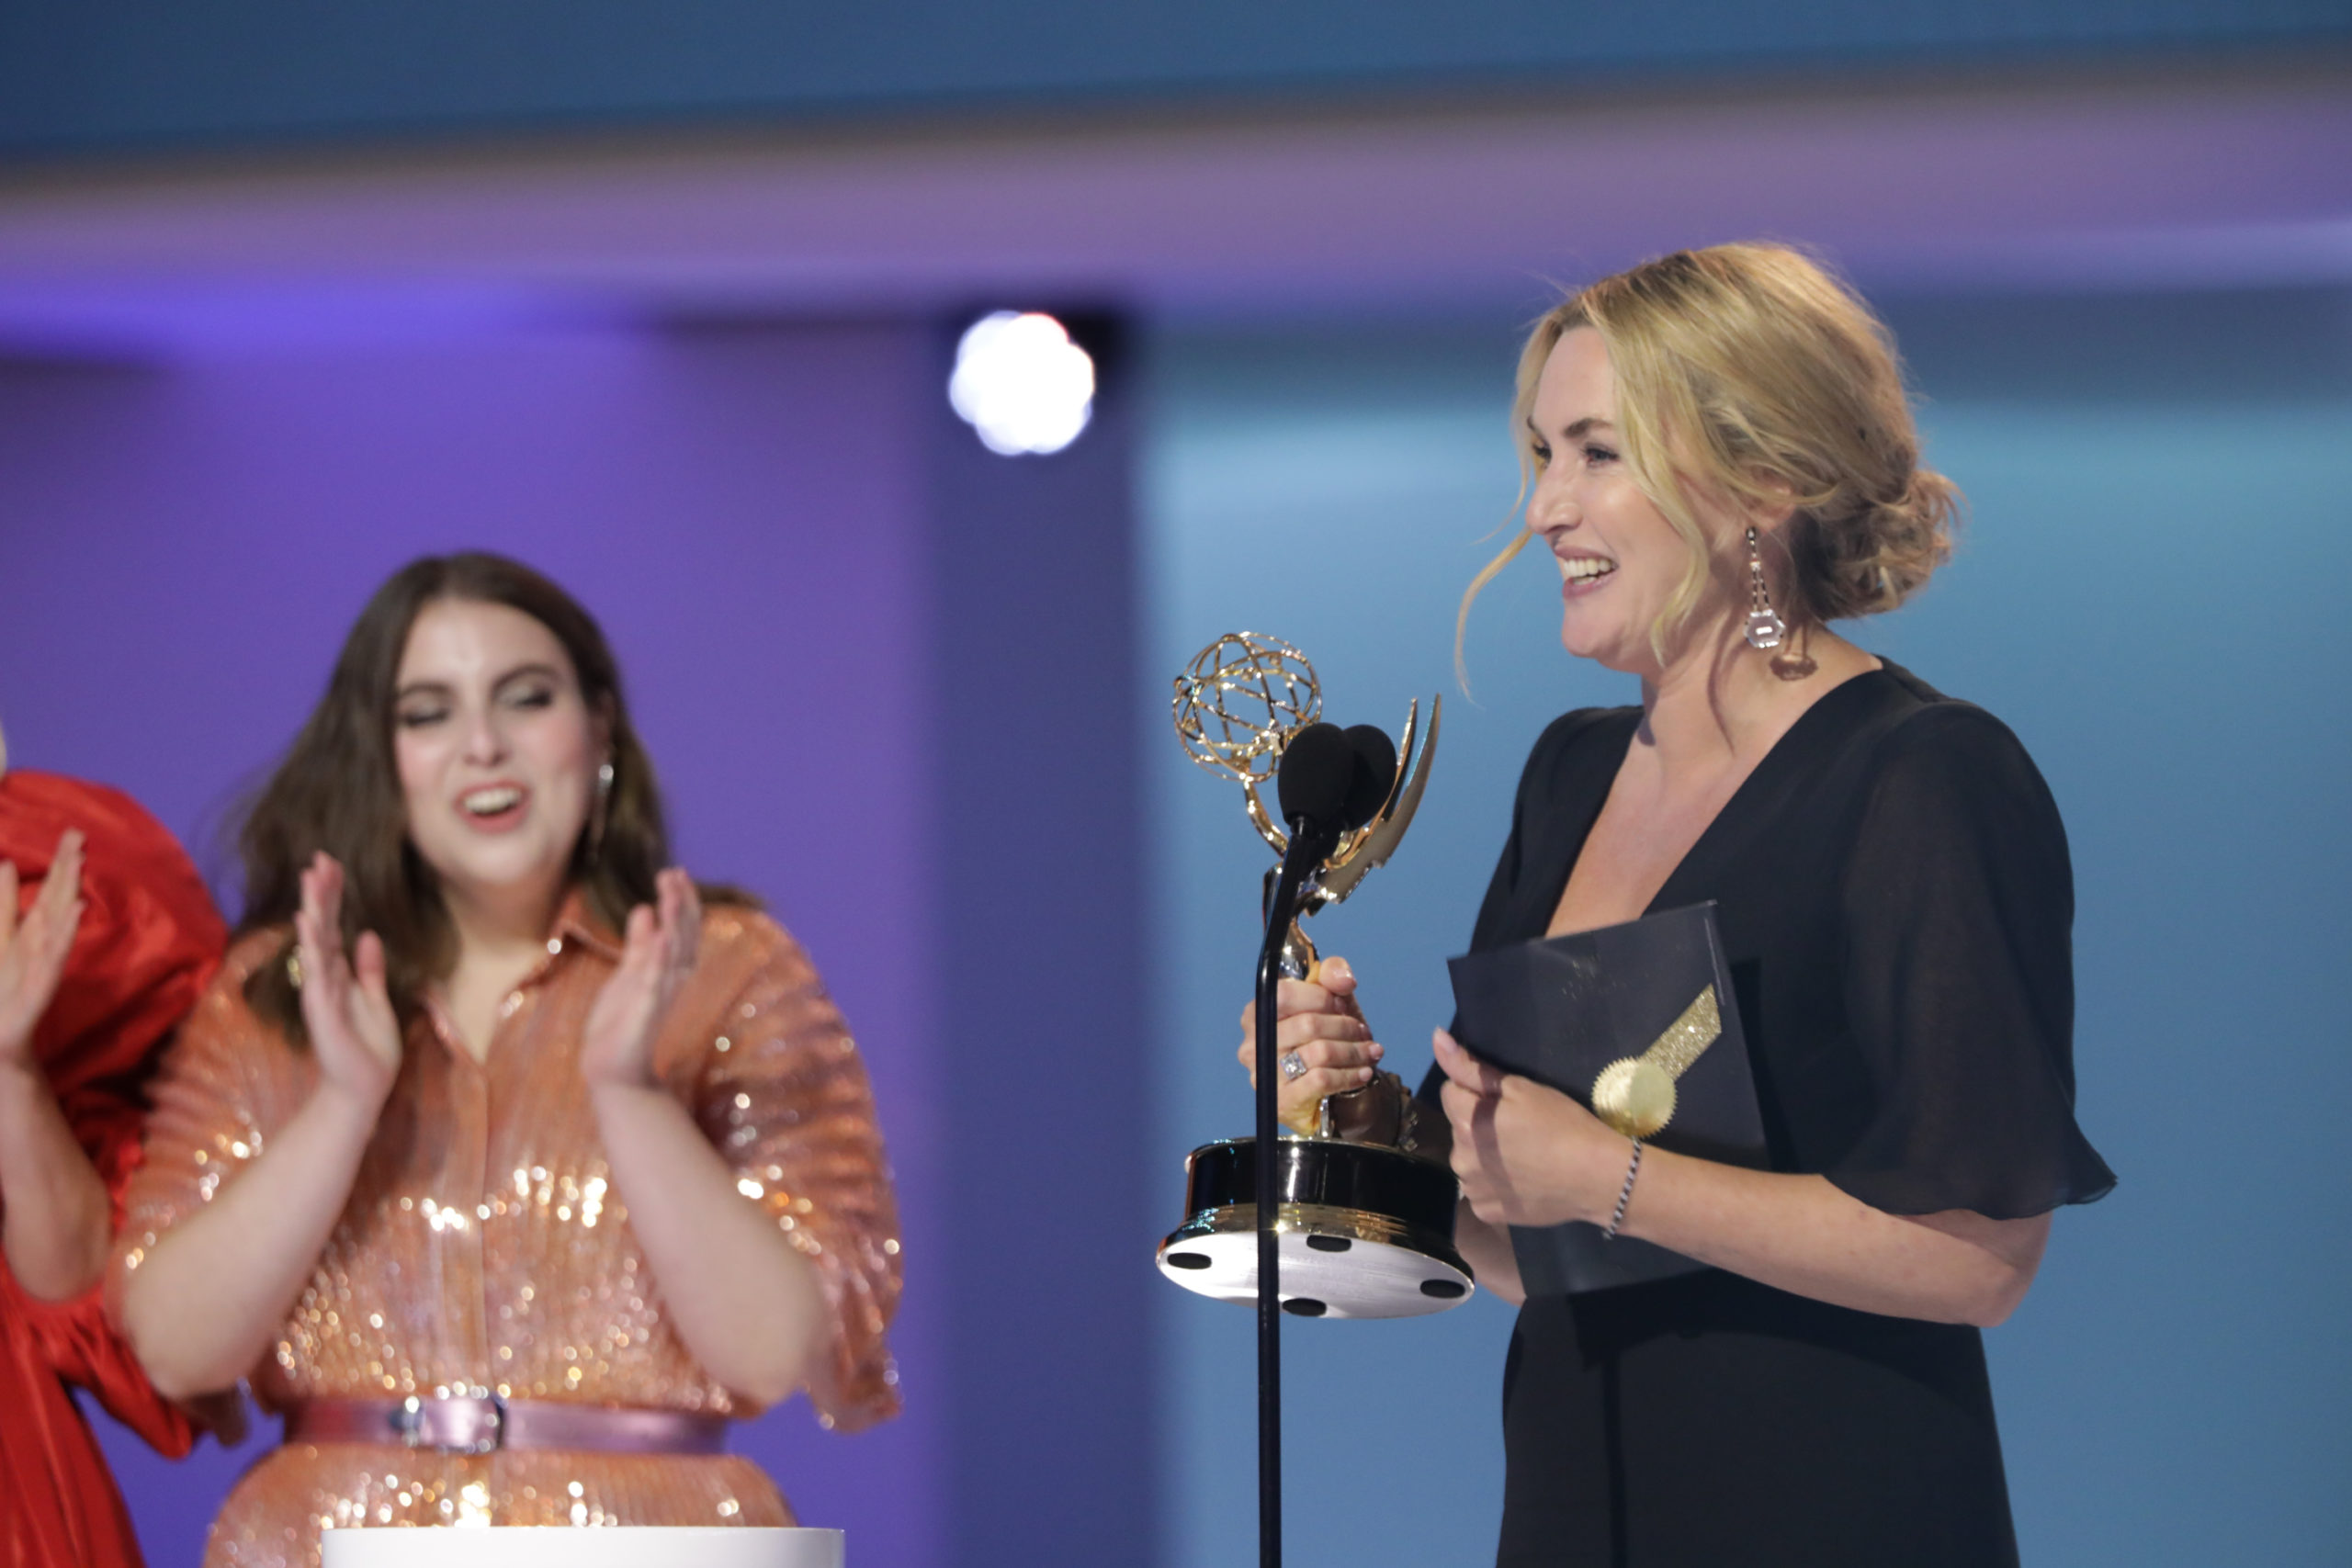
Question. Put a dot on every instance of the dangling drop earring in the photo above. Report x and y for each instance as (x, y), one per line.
(596, 815)
(1766, 630)
(1794, 662)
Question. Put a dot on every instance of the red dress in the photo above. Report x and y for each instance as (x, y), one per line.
(149, 942)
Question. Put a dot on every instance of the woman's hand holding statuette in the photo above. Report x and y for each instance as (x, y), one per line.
(1319, 1022)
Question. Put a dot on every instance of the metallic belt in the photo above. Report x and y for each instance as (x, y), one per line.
(481, 1424)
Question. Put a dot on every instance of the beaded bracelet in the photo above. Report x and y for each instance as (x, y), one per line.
(1625, 1193)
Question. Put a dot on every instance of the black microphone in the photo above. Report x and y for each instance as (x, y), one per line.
(1314, 780)
(1335, 780)
(1329, 781)
(1376, 772)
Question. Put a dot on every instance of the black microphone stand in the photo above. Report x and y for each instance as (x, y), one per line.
(1308, 846)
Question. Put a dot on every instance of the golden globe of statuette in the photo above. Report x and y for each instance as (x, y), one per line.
(1634, 1095)
(1241, 700)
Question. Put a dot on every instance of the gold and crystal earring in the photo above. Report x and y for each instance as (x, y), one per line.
(1766, 630)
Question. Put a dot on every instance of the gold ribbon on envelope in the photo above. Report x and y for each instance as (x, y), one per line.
(1635, 1094)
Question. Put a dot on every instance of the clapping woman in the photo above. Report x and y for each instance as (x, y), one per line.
(509, 1166)
(1723, 464)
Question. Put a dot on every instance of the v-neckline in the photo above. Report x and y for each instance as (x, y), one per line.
(1775, 759)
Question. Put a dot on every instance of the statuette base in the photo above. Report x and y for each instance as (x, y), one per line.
(1335, 1262)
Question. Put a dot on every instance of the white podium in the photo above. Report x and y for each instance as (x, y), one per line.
(691, 1546)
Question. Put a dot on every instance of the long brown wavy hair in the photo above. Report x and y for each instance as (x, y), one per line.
(338, 790)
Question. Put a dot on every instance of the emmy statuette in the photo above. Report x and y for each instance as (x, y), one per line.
(1363, 1223)
(1346, 1220)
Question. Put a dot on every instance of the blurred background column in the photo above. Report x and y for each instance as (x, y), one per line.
(1043, 1032)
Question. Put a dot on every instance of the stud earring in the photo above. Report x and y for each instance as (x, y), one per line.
(1766, 630)
(596, 816)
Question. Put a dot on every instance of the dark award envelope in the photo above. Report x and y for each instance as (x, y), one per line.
(1560, 1009)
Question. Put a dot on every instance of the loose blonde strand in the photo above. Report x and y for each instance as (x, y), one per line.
(1487, 574)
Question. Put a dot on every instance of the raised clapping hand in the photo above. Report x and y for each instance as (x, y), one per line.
(657, 956)
(1526, 1155)
(354, 1032)
(744, 1299)
(32, 956)
(1320, 1019)
(54, 1208)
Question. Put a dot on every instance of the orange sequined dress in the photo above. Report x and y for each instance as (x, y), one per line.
(484, 1245)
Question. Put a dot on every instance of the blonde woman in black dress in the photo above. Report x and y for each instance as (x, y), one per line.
(1724, 463)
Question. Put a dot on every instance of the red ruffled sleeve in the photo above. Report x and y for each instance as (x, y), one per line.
(149, 942)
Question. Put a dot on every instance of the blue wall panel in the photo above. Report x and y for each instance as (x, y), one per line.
(143, 73)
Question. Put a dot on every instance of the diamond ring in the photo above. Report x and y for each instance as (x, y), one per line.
(1293, 1066)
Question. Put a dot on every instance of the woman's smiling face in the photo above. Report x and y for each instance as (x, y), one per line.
(497, 750)
(1621, 561)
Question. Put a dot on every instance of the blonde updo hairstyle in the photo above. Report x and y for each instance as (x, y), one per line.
(1747, 371)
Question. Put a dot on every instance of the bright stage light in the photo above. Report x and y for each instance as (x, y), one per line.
(1021, 383)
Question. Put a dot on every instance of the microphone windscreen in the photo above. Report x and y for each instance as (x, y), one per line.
(1315, 777)
(1376, 772)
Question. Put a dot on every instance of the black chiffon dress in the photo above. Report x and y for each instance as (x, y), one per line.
(1893, 894)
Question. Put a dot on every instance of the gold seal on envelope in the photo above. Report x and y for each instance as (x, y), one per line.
(1635, 1094)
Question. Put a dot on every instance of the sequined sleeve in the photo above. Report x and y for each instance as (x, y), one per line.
(224, 1085)
(785, 1098)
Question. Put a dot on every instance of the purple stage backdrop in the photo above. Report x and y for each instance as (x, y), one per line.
(182, 544)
